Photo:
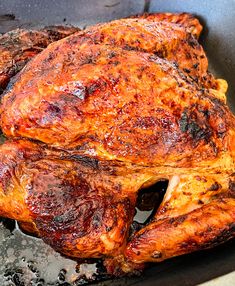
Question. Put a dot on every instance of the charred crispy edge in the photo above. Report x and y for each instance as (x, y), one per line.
(186, 20)
(59, 32)
(200, 229)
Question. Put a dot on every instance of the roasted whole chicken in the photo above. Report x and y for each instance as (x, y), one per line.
(104, 113)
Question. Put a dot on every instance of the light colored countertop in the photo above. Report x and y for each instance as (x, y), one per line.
(225, 280)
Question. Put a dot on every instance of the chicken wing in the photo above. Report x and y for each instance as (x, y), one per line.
(17, 47)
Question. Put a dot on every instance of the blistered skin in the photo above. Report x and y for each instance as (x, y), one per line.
(114, 109)
(17, 47)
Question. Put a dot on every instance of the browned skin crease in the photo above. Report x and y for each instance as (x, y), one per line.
(108, 111)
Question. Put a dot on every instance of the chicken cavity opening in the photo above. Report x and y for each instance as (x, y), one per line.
(148, 202)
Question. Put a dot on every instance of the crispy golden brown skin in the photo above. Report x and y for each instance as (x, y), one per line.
(104, 109)
(189, 22)
(83, 207)
(74, 203)
(117, 110)
(17, 47)
(166, 39)
(198, 212)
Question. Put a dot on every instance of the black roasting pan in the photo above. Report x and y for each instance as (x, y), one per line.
(25, 260)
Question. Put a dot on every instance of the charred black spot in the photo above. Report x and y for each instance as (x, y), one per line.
(232, 188)
(16, 126)
(161, 53)
(108, 228)
(135, 226)
(195, 130)
(176, 65)
(183, 122)
(97, 220)
(74, 40)
(189, 244)
(5, 177)
(54, 34)
(221, 130)
(129, 48)
(89, 59)
(8, 84)
(86, 161)
(115, 63)
(195, 79)
(58, 219)
(153, 58)
(186, 70)
(53, 109)
(93, 87)
(111, 55)
(225, 234)
(192, 42)
(188, 123)
(218, 105)
(214, 147)
(214, 187)
(177, 220)
(50, 57)
(205, 112)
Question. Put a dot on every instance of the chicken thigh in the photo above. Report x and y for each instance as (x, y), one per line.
(74, 203)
